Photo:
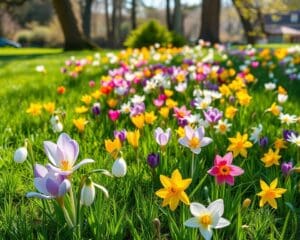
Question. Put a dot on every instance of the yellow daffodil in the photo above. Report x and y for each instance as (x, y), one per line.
(113, 147)
(49, 107)
(225, 90)
(243, 98)
(97, 94)
(230, 112)
(239, 145)
(274, 109)
(269, 193)
(80, 124)
(168, 92)
(35, 109)
(150, 117)
(270, 158)
(86, 99)
(81, 109)
(138, 120)
(164, 112)
(173, 190)
(279, 143)
(133, 138)
(170, 103)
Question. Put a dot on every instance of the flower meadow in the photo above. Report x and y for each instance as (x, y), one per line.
(159, 143)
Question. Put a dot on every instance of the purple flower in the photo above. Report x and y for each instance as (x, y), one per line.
(182, 122)
(286, 167)
(161, 137)
(96, 109)
(138, 108)
(63, 155)
(263, 142)
(212, 115)
(50, 184)
(153, 160)
(120, 134)
(287, 134)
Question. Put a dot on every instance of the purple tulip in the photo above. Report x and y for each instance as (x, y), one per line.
(161, 137)
(50, 184)
(96, 109)
(286, 167)
(120, 134)
(63, 155)
(153, 160)
(212, 115)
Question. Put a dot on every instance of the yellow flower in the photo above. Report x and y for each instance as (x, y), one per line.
(249, 78)
(271, 158)
(86, 99)
(281, 90)
(168, 92)
(81, 109)
(49, 107)
(274, 109)
(224, 90)
(133, 138)
(34, 109)
(170, 103)
(113, 147)
(180, 132)
(164, 112)
(230, 112)
(243, 98)
(239, 144)
(269, 193)
(173, 190)
(138, 120)
(80, 124)
(150, 117)
(112, 102)
(97, 94)
(279, 143)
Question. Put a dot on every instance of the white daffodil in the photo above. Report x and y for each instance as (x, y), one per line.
(255, 135)
(222, 126)
(294, 139)
(270, 86)
(287, 118)
(207, 218)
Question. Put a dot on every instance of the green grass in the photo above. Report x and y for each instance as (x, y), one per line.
(132, 206)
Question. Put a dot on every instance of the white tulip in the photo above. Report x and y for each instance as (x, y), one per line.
(20, 155)
(119, 168)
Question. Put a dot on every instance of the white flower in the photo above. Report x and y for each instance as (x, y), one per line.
(125, 108)
(20, 155)
(282, 98)
(88, 193)
(202, 103)
(119, 168)
(222, 126)
(207, 218)
(181, 87)
(137, 99)
(58, 127)
(287, 118)
(40, 68)
(270, 86)
(256, 133)
(294, 139)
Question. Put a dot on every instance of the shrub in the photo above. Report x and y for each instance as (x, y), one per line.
(178, 40)
(23, 37)
(148, 34)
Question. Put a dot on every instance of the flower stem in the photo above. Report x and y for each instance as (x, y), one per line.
(193, 165)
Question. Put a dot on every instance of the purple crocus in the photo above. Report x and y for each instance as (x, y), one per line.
(286, 167)
(212, 115)
(161, 137)
(153, 160)
(138, 108)
(50, 184)
(120, 134)
(63, 155)
(263, 142)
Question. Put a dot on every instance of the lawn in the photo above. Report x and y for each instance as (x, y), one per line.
(180, 86)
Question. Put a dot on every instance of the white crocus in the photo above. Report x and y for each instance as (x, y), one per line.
(20, 155)
(294, 139)
(223, 126)
(255, 135)
(207, 218)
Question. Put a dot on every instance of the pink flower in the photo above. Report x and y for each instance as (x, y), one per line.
(181, 112)
(114, 114)
(223, 170)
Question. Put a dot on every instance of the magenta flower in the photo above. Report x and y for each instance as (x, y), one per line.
(161, 137)
(114, 114)
(223, 170)
(181, 112)
(50, 184)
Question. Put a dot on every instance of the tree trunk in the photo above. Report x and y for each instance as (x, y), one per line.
(74, 39)
(133, 14)
(210, 20)
(86, 21)
(169, 16)
(177, 18)
(107, 20)
(247, 25)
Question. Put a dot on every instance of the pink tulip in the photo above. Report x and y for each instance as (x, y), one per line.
(114, 114)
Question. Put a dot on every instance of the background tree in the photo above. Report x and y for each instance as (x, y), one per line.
(177, 18)
(133, 14)
(86, 13)
(210, 20)
(74, 38)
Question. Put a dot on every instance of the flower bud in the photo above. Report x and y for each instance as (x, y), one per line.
(119, 168)
(246, 203)
(286, 168)
(153, 160)
(96, 109)
(88, 193)
(20, 155)
(58, 127)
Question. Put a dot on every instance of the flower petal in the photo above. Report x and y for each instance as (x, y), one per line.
(206, 233)
(165, 181)
(64, 187)
(103, 189)
(50, 150)
(236, 171)
(83, 162)
(192, 222)
(197, 209)
(38, 195)
(205, 141)
(39, 171)
(217, 206)
(222, 223)
(228, 157)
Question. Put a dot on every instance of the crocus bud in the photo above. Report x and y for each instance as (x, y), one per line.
(286, 167)
(119, 167)
(246, 203)
(263, 142)
(20, 155)
(88, 193)
(153, 160)
(96, 109)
